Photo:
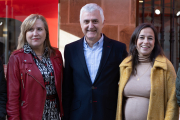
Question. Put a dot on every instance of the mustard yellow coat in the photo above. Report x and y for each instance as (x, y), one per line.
(162, 103)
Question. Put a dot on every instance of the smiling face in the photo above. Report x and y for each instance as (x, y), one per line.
(36, 35)
(146, 41)
(91, 24)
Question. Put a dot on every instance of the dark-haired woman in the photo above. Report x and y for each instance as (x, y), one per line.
(147, 81)
(34, 74)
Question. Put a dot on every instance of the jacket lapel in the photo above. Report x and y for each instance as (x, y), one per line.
(32, 70)
(107, 46)
(57, 69)
(126, 69)
(80, 53)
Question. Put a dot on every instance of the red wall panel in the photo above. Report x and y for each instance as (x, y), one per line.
(20, 9)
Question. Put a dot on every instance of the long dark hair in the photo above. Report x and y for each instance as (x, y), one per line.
(133, 41)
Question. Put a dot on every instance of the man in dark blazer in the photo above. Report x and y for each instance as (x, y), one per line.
(3, 93)
(91, 75)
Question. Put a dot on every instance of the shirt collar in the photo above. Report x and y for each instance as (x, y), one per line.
(27, 49)
(99, 43)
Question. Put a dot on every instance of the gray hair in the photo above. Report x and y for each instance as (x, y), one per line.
(90, 8)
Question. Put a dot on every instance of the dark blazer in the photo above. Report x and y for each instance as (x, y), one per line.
(83, 100)
(3, 93)
(178, 86)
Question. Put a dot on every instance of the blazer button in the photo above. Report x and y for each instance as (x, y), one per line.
(93, 87)
(90, 101)
(154, 94)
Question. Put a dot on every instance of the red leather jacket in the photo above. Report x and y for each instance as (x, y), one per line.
(26, 90)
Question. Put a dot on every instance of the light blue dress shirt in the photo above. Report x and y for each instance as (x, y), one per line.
(93, 57)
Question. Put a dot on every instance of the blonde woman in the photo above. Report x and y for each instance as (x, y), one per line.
(34, 74)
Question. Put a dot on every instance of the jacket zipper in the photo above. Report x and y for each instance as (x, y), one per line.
(22, 103)
(41, 85)
(36, 80)
(22, 80)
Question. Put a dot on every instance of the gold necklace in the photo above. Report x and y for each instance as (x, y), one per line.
(138, 77)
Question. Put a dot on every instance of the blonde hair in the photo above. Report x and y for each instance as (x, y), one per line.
(27, 24)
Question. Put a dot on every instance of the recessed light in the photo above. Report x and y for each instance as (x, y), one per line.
(157, 11)
(178, 13)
